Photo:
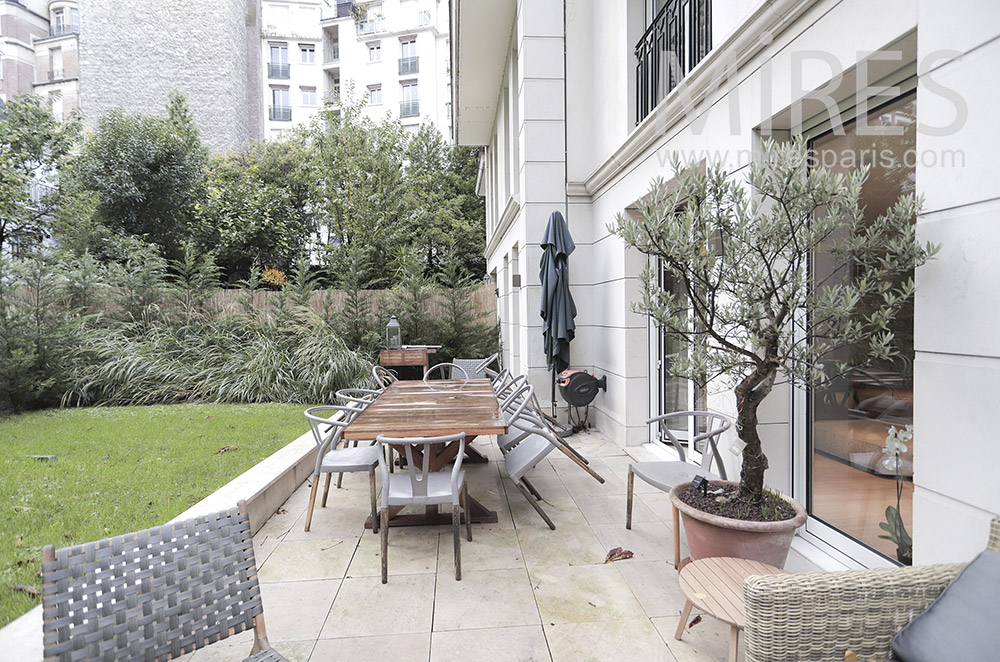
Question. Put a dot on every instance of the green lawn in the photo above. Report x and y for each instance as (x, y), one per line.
(117, 469)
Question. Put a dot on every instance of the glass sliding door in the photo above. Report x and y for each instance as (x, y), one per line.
(851, 481)
(676, 393)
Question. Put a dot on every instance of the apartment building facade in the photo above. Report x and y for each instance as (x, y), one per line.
(580, 105)
(39, 51)
(393, 54)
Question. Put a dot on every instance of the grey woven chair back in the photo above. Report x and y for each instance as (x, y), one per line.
(150, 595)
(474, 368)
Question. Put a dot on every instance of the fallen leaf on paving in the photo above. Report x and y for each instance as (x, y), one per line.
(591, 603)
(618, 554)
(30, 590)
(281, 511)
(694, 621)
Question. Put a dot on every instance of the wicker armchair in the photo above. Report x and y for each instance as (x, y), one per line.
(816, 617)
(156, 594)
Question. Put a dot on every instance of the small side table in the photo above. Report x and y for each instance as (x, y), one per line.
(715, 586)
(406, 356)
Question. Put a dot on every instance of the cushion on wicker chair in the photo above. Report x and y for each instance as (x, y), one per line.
(961, 624)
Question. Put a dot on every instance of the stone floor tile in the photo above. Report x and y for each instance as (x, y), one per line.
(579, 594)
(332, 522)
(607, 641)
(514, 644)
(491, 549)
(296, 611)
(484, 599)
(655, 585)
(224, 651)
(365, 606)
(394, 647)
(317, 558)
(648, 541)
(582, 484)
(611, 509)
(412, 550)
(708, 641)
(563, 511)
(568, 545)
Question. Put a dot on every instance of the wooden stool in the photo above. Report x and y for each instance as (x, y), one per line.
(715, 586)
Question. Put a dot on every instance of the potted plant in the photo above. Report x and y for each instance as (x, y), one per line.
(745, 302)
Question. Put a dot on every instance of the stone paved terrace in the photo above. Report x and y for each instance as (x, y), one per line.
(527, 593)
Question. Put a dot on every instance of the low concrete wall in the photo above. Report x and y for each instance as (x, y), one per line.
(265, 486)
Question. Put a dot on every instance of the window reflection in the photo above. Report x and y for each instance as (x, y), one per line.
(850, 484)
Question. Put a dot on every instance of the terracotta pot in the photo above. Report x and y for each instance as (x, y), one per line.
(713, 535)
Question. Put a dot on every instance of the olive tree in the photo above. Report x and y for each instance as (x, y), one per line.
(746, 303)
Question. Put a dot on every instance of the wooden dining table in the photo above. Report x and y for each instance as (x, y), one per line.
(429, 409)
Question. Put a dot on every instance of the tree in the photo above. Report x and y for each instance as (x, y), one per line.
(359, 192)
(145, 174)
(742, 263)
(33, 145)
(257, 208)
(447, 219)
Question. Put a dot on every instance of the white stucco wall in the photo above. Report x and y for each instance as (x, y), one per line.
(768, 60)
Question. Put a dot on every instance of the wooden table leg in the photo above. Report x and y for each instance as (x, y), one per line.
(734, 640)
(684, 619)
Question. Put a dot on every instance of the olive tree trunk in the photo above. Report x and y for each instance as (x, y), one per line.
(749, 394)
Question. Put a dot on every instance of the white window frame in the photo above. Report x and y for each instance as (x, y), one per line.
(375, 100)
(307, 53)
(374, 48)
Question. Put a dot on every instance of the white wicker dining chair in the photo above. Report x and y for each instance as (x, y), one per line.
(327, 432)
(668, 473)
(419, 486)
(155, 594)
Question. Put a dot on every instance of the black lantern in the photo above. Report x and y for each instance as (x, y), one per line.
(393, 334)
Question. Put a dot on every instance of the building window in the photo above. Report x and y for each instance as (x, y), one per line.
(410, 104)
(375, 52)
(309, 97)
(678, 35)
(447, 109)
(278, 66)
(55, 64)
(308, 52)
(281, 110)
(408, 61)
(375, 95)
(849, 484)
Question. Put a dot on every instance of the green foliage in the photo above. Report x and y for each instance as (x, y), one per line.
(463, 331)
(355, 319)
(896, 530)
(741, 256)
(38, 333)
(447, 219)
(256, 208)
(408, 301)
(33, 145)
(195, 278)
(117, 469)
(360, 188)
(144, 174)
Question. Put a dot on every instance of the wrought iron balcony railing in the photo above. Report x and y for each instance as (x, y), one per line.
(409, 65)
(278, 70)
(677, 40)
(279, 113)
(409, 108)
